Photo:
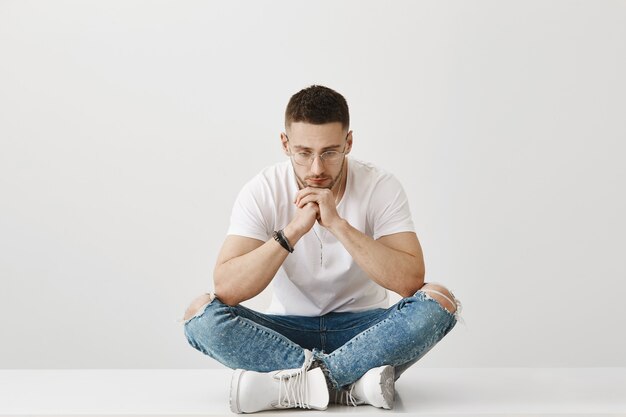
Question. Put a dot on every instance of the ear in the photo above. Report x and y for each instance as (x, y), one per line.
(284, 143)
(349, 142)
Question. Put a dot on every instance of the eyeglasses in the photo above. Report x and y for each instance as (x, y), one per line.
(328, 157)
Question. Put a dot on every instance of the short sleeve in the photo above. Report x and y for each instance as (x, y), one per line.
(251, 214)
(391, 213)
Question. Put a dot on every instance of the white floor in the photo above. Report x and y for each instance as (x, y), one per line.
(420, 391)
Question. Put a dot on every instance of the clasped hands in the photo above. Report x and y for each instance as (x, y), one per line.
(316, 204)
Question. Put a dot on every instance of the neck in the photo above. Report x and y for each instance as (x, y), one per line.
(341, 181)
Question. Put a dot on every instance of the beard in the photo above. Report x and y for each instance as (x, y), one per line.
(303, 184)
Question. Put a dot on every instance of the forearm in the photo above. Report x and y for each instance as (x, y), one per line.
(244, 277)
(397, 271)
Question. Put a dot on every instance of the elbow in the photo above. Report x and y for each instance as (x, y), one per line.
(223, 291)
(225, 294)
(413, 284)
(231, 302)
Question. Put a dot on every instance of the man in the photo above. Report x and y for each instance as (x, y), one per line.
(333, 234)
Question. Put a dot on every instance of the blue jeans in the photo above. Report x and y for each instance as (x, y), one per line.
(346, 344)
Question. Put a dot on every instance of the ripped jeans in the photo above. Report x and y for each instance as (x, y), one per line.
(346, 344)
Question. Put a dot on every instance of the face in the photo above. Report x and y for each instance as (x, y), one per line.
(317, 139)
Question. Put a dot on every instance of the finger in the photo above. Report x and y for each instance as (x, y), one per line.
(314, 206)
(318, 212)
(303, 193)
(308, 200)
(298, 196)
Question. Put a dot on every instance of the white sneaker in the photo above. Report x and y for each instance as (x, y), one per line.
(375, 388)
(252, 391)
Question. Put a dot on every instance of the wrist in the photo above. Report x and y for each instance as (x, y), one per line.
(338, 226)
(279, 236)
(293, 234)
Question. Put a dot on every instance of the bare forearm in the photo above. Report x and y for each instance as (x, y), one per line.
(242, 278)
(397, 271)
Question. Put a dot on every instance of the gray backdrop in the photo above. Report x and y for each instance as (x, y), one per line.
(128, 127)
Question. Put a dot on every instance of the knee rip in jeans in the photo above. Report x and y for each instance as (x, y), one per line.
(443, 296)
(197, 307)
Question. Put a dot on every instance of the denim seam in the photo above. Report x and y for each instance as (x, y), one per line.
(277, 323)
(269, 332)
(360, 335)
(389, 318)
(353, 327)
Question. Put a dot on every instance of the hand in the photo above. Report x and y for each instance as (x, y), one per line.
(324, 199)
(303, 221)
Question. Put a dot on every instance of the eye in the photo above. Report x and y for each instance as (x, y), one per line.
(304, 154)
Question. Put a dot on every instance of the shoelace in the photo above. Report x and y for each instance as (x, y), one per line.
(293, 389)
(346, 397)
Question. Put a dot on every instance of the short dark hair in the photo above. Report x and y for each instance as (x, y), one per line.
(317, 105)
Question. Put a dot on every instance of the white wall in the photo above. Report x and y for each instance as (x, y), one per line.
(128, 127)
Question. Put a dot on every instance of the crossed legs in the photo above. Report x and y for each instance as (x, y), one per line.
(436, 291)
(399, 336)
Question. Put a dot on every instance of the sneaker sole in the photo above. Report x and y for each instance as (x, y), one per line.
(234, 391)
(387, 386)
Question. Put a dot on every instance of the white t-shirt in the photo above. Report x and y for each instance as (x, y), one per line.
(320, 276)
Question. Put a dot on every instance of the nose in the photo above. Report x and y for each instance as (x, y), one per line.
(317, 167)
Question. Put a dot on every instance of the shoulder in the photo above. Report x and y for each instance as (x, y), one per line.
(268, 188)
(372, 175)
(277, 173)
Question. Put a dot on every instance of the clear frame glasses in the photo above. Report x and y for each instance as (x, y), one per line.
(306, 158)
